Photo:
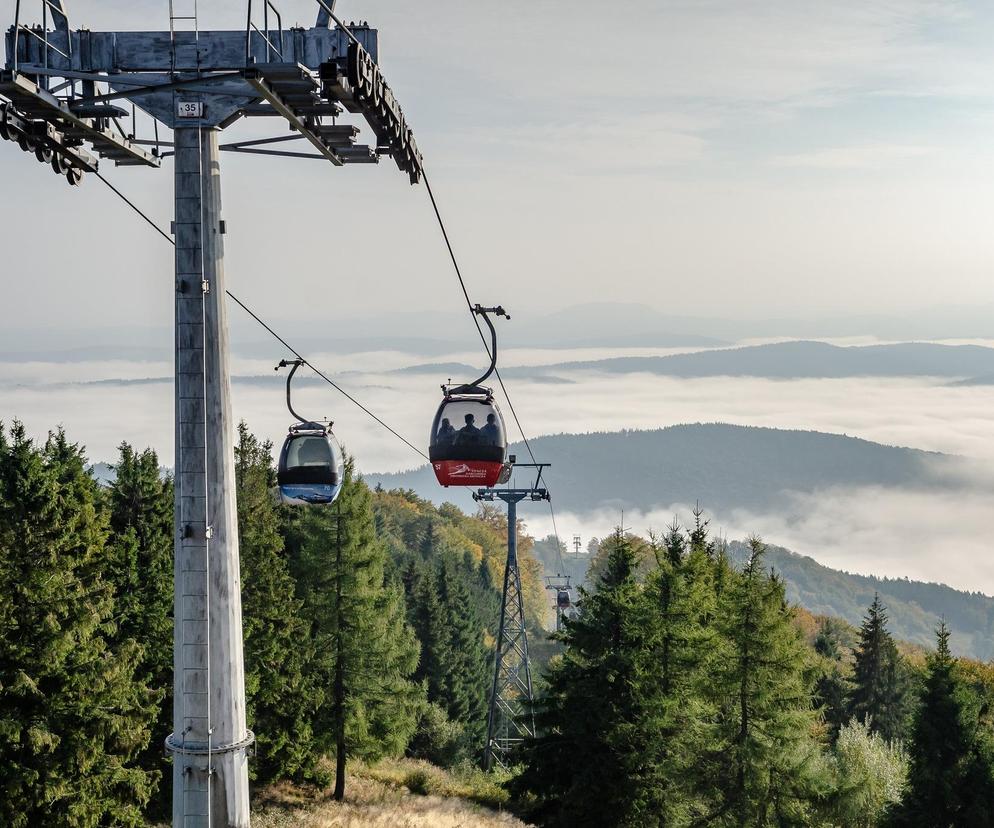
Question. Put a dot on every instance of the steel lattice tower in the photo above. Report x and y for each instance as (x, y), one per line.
(510, 720)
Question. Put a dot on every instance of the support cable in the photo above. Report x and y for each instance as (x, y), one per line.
(272, 332)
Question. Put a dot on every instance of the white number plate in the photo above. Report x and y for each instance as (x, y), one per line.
(190, 109)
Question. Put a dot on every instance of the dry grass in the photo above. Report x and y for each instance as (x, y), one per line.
(392, 794)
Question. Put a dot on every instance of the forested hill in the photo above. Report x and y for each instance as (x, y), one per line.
(792, 360)
(914, 607)
(723, 466)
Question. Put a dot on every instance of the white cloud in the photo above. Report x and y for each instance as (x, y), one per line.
(867, 157)
(943, 537)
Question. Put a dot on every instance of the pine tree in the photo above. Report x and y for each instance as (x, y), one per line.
(140, 569)
(763, 763)
(950, 782)
(363, 651)
(881, 692)
(280, 696)
(73, 716)
(586, 766)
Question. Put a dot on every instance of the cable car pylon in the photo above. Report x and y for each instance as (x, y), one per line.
(510, 720)
(57, 85)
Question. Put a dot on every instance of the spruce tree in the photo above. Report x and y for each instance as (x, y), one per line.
(587, 765)
(280, 695)
(468, 681)
(763, 763)
(881, 692)
(363, 651)
(950, 782)
(73, 715)
(140, 569)
(429, 620)
(679, 615)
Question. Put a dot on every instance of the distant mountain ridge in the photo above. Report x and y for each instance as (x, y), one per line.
(723, 466)
(914, 607)
(804, 359)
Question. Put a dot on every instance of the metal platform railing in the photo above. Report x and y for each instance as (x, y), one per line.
(266, 33)
(41, 33)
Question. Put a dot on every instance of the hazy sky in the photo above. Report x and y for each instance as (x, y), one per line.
(742, 157)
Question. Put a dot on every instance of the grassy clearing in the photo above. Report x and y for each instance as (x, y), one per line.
(391, 794)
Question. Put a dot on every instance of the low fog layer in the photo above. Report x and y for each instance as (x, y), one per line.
(939, 534)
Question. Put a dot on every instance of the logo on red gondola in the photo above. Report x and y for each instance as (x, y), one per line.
(464, 470)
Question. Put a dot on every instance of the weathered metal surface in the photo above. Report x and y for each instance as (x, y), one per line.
(36, 102)
(153, 51)
(267, 90)
(209, 788)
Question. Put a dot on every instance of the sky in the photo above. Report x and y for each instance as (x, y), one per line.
(705, 159)
(747, 158)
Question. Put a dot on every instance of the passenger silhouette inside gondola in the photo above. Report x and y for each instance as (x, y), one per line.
(469, 434)
(313, 452)
(446, 433)
(491, 431)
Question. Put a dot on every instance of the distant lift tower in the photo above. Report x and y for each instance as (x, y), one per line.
(62, 90)
(510, 719)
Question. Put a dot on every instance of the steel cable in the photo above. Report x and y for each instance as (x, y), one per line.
(270, 330)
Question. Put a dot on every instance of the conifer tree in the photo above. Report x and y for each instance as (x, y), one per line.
(140, 569)
(764, 758)
(73, 716)
(950, 781)
(586, 766)
(470, 678)
(280, 694)
(832, 686)
(141, 512)
(881, 693)
(363, 651)
(679, 610)
(429, 620)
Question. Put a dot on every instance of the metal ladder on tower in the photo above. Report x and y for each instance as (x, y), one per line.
(183, 21)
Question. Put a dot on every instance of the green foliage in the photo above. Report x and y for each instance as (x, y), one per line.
(448, 564)
(453, 664)
(74, 712)
(363, 652)
(587, 766)
(951, 779)
(912, 606)
(280, 692)
(833, 685)
(870, 775)
(679, 613)
(438, 739)
(881, 693)
(140, 568)
(764, 763)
